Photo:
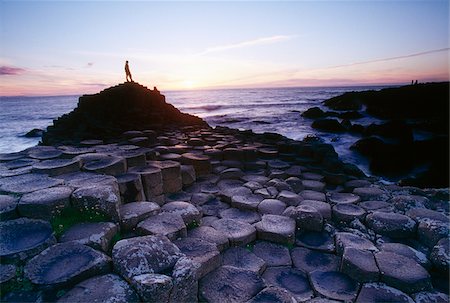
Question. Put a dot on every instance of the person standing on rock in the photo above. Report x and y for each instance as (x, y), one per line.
(127, 72)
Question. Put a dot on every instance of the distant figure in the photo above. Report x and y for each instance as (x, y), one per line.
(415, 83)
(127, 72)
(412, 82)
(155, 89)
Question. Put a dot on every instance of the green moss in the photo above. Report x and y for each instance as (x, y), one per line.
(192, 225)
(19, 282)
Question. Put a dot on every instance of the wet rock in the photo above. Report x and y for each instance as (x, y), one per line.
(273, 254)
(65, 264)
(407, 202)
(8, 206)
(204, 253)
(313, 113)
(187, 211)
(408, 252)
(211, 235)
(165, 224)
(97, 235)
(240, 257)
(347, 212)
(271, 206)
(313, 185)
(391, 224)
(144, 255)
(291, 279)
(380, 292)
(307, 218)
(312, 195)
(130, 187)
(45, 203)
(55, 167)
(343, 198)
(230, 284)
(249, 201)
(334, 285)
(430, 296)
(402, 273)
(107, 288)
(328, 125)
(360, 265)
(23, 238)
(188, 175)
(104, 199)
(201, 163)
(27, 183)
(273, 294)
(7, 272)
(276, 228)
(440, 255)
(370, 193)
(240, 215)
(238, 232)
(151, 180)
(133, 213)
(35, 132)
(320, 241)
(309, 260)
(430, 232)
(346, 240)
(288, 197)
(153, 287)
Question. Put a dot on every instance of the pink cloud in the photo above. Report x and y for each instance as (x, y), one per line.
(11, 70)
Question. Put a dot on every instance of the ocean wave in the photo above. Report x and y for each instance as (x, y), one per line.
(208, 108)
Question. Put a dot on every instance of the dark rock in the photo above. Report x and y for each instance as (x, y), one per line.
(334, 285)
(130, 187)
(440, 255)
(271, 206)
(396, 129)
(45, 203)
(238, 232)
(291, 279)
(360, 265)
(273, 294)
(307, 218)
(106, 288)
(8, 206)
(321, 241)
(430, 297)
(241, 215)
(408, 252)
(275, 228)
(7, 272)
(103, 164)
(153, 287)
(133, 213)
(55, 167)
(211, 235)
(371, 193)
(27, 183)
(348, 212)
(328, 125)
(104, 199)
(309, 260)
(97, 235)
(391, 224)
(35, 132)
(187, 211)
(240, 257)
(65, 264)
(345, 240)
(430, 232)
(313, 112)
(380, 292)
(273, 254)
(165, 224)
(343, 198)
(185, 281)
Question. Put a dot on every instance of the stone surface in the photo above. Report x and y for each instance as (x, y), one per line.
(133, 213)
(104, 199)
(214, 207)
(103, 164)
(371, 206)
(240, 257)
(238, 232)
(402, 273)
(406, 251)
(430, 232)
(144, 255)
(291, 279)
(27, 183)
(360, 265)
(85, 179)
(408, 202)
(153, 287)
(166, 224)
(430, 296)
(45, 203)
(23, 238)
(307, 218)
(171, 175)
(271, 207)
(151, 180)
(8, 206)
(348, 212)
(211, 235)
(308, 260)
(201, 163)
(343, 198)
(185, 282)
(7, 272)
(108, 288)
(55, 167)
(391, 224)
(440, 255)
(130, 187)
(312, 195)
(230, 284)
(273, 254)
(421, 214)
(314, 185)
(249, 201)
(321, 241)
(97, 235)
(334, 285)
(288, 197)
(370, 193)
(380, 292)
(187, 211)
(241, 215)
(188, 175)
(344, 240)
(273, 294)
(276, 228)
(64, 264)
(322, 207)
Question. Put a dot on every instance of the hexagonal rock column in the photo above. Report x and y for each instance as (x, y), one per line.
(171, 175)
(291, 279)
(273, 294)
(103, 164)
(45, 203)
(440, 255)
(211, 235)
(8, 205)
(44, 152)
(203, 253)
(334, 285)
(151, 180)
(185, 281)
(187, 211)
(153, 287)
(65, 264)
(431, 231)
(85, 179)
(344, 240)
(321, 241)
(275, 228)
(408, 252)
(391, 224)
(240, 257)
(133, 213)
(360, 265)
(106, 288)
(144, 255)
(166, 224)
(240, 214)
(371, 193)
(309, 260)
(23, 238)
(201, 163)
(27, 183)
(343, 198)
(57, 167)
(7, 273)
(238, 232)
(104, 199)
(402, 273)
(273, 254)
(345, 213)
(322, 207)
(230, 284)
(188, 175)
(271, 207)
(130, 187)
(97, 235)
(380, 292)
(307, 218)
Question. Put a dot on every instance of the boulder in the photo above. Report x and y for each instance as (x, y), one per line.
(97, 235)
(130, 187)
(187, 211)
(35, 132)
(271, 206)
(185, 281)
(201, 163)
(45, 203)
(211, 235)
(307, 218)
(430, 231)
(313, 113)
(440, 255)
(188, 175)
(151, 180)
(346, 240)
(408, 202)
(408, 252)
(323, 208)
(328, 125)
(288, 197)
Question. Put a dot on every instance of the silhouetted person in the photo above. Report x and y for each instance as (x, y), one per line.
(127, 72)
(412, 82)
(415, 83)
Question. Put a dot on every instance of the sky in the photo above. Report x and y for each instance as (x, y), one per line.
(76, 47)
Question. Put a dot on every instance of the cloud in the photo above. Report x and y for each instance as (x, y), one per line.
(249, 43)
(11, 70)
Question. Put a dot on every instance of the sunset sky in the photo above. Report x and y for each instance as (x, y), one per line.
(53, 48)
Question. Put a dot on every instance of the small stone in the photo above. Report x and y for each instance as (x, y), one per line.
(271, 207)
(307, 218)
(312, 195)
(230, 284)
(322, 207)
(165, 224)
(391, 224)
(240, 257)
(273, 294)
(321, 241)
(153, 287)
(309, 260)
(275, 228)
(8, 206)
(249, 201)
(334, 285)
(97, 235)
(187, 211)
(440, 255)
(23, 238)
(240, 215)
(273, 254)
(347, 212)
(211, 235)
(133, 213)
(345, 240)
(107, 288)
(7, 272)
(45, 203)
(238, 232)
(291, 279)
(130, 187)
(27, 183)
(402, 273)
(343, 198)
(360, 265)
(370, 193)
(288, 197)
(104, 199)
(380, 292)
(63, 264)
(314, 185)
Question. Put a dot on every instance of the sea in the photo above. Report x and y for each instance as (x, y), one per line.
(262, 110)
